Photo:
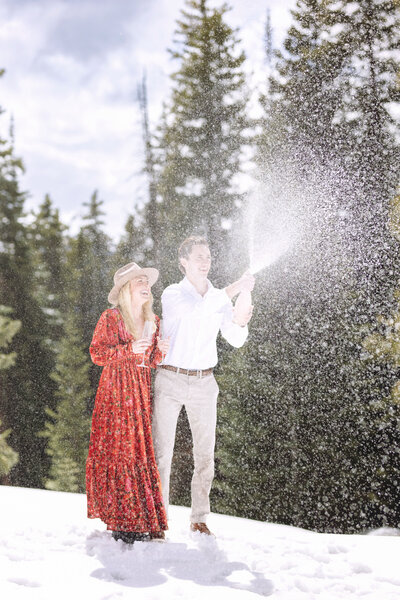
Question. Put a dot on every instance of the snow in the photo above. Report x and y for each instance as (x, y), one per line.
(50, 550)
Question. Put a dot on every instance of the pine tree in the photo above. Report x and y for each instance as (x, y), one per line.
(291, 434)
(305, 349)
(8, 328)
(303, 98)
(268, 38)
(90, 275)
(203, 136)
(151, 207)
(132, 245)
(383, 348)
(89, 270)
(68, 428)
(8, 456)
(49, 247)
(371, 31)
(25, 389)
(247, 415)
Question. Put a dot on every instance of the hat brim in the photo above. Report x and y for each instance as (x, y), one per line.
(151, 274)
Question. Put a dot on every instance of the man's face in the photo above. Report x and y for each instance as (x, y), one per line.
(198, 264)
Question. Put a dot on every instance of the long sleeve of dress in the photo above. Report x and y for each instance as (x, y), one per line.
(106, 346)
(155, 353)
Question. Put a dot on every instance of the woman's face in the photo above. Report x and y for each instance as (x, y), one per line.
(140, 290)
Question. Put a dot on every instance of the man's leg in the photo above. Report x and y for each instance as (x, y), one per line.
(166, 409)
(201, 408)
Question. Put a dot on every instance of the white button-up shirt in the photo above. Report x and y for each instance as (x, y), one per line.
(192, 322)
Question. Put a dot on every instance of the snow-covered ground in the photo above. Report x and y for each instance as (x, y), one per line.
(49, 550)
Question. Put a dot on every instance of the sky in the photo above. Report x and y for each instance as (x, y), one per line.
(72, 70)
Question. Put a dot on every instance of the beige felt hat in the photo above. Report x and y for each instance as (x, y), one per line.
(128, 272)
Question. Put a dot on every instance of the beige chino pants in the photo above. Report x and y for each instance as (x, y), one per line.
(199, 397)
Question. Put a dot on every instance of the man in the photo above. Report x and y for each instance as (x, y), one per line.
(193, 314)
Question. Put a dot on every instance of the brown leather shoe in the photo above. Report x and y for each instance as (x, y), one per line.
(201, 527)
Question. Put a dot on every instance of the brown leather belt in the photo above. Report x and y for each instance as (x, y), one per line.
(198, 373)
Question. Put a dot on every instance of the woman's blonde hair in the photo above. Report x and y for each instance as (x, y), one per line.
(125, 307)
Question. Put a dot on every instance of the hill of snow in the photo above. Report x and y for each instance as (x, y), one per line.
(49, 550)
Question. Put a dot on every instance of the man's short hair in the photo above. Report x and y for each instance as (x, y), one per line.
(187, 246)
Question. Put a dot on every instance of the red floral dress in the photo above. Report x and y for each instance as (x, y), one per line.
(122, 481)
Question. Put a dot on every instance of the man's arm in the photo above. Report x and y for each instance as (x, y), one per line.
(234, 333)
(177, 304)
(246, 282)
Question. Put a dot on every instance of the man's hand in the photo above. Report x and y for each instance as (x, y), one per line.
(246, 282)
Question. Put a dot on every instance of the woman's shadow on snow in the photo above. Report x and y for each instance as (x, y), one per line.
(148, 564)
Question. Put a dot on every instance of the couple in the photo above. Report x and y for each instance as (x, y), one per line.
(127, 479)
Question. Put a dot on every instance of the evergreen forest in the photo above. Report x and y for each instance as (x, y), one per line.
(309, 409)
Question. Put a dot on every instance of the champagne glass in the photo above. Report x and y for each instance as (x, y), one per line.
(147, 332)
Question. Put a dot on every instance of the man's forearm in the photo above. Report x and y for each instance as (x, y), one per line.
(233, 289)
(246, 282)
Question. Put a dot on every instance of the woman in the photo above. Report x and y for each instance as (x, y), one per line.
(122, 481)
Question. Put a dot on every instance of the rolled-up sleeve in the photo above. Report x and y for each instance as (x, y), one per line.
(234, 334)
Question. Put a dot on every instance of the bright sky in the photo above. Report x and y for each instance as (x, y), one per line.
(72, 69)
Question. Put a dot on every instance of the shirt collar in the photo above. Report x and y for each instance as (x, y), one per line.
(185, 283)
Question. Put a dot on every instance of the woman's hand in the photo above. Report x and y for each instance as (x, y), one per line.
(140, 346)
(163, 345)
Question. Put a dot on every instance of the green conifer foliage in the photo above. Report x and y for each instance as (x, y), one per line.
(203, 135)
(150, 220)
(371, 32)
(291, 433)
(25, 389)
(370, 91)
(383, 348)
(305, 445)
(68, 428)
(8, 328)
(49, 247)
(89, 271)
(8, 456)
(132, 245)
(303, 97)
